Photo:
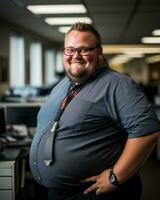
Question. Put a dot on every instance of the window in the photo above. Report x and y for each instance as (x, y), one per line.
(36, 64)
(50, 75)
(16, 60)
(59, 63)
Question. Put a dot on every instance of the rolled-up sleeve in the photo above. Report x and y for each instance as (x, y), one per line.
(132, 110)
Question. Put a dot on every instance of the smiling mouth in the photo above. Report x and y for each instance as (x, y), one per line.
(77, 62)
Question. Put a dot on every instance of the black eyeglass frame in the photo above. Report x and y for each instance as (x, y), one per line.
(79, 50)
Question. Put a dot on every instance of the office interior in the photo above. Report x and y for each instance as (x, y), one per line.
(31, 49)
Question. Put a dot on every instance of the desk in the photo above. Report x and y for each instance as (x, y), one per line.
(9, 177)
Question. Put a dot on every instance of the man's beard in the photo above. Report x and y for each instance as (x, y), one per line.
(80, 77)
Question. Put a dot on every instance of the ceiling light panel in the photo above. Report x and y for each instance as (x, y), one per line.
(119, 59)
(153, 59)
(67, 20)
(156, 32)
(57, 9)
(151, 40)
(141, 49)
(63, 29)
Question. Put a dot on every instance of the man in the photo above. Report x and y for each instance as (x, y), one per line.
(91, 144)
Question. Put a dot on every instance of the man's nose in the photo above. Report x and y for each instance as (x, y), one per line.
(77, 54)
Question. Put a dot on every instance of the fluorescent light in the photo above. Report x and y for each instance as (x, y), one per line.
(66, 20)
(153, 59)
(156, 32)
(141, 49)
(63, 29)
(134, 55)
(151, 40)
(119, 59)
(57, 9)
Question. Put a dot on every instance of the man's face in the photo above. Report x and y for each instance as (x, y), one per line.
(80, 67)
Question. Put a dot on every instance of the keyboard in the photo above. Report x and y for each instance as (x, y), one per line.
(20, 142)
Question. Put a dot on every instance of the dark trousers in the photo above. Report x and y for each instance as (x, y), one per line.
(130, 190)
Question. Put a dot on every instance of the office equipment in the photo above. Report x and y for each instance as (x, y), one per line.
(25, 142)
(4, 131)
(11, 139)
(9, 173)
(24, 91)
(17, 124)
(2, 120)
(22, 114)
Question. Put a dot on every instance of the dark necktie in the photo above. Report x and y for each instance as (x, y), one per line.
(48, 148)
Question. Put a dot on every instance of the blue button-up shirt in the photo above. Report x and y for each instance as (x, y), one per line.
(93, 129)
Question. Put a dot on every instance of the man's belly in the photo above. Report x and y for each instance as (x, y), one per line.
(76, 159)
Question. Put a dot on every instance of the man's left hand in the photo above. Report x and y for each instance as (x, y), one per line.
(100, 184)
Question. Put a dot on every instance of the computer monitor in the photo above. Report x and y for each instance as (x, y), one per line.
(22, 114)
(26, 91)
(2, 120)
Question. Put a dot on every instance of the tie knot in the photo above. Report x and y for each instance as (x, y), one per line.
(68, 98)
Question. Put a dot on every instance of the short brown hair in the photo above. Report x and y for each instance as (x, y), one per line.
(85, 27)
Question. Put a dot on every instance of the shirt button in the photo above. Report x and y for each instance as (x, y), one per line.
(34, 163)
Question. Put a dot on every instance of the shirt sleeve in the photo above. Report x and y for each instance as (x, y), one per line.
(131, 109)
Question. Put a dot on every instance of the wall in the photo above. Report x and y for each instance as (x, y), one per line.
(4, 55)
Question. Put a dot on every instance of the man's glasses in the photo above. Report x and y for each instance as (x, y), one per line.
(83, 51)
